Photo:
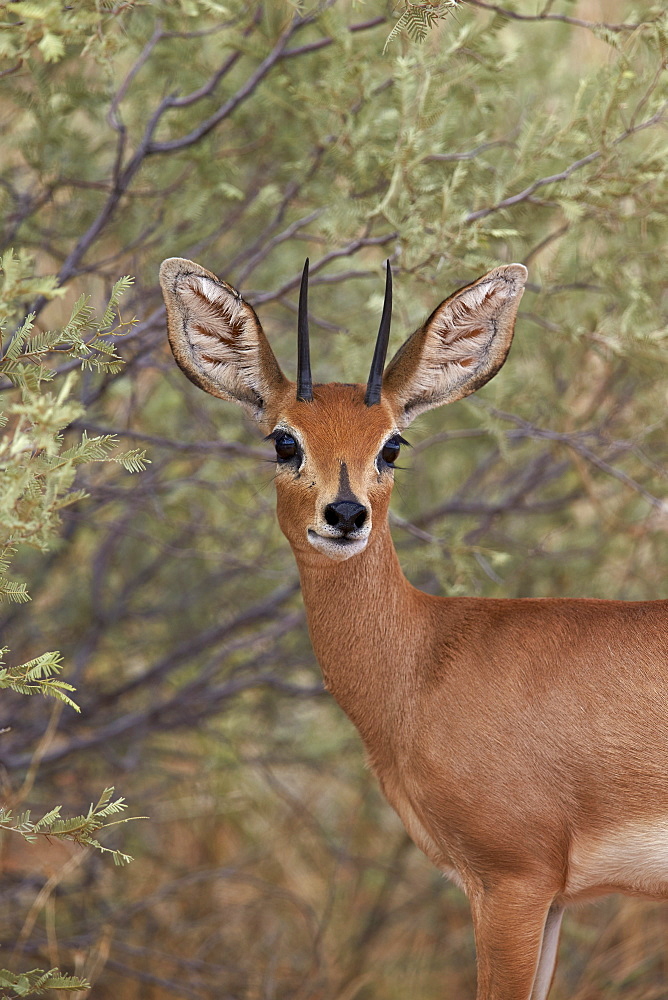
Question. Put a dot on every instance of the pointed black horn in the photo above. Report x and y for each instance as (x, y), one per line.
(375, 382)
(304, 383)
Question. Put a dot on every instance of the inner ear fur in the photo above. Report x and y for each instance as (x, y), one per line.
(216, 337)
(460, 347)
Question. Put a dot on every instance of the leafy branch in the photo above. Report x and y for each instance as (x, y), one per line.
(548, 16)
(418, 19)
(85, 338)
(37, 472)
(563, 175)
(37, 480)
(36, 982)
(80, 829)
(37, 677)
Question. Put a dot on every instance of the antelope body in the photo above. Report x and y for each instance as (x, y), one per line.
(523, 743)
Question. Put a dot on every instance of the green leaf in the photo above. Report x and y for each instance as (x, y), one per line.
(51, 46)
(37, 982)
(37, 677)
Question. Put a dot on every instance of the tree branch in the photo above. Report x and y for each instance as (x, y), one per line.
(564, 18)
(524, 195)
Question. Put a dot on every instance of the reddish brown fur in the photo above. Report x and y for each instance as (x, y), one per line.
(524, 743)
(298, 498)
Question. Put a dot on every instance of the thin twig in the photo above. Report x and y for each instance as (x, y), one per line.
(577, 445)
(347, 251)
(524, 195)
(470, 155)
(322, 43)
(545, 16)
(230, 105)
(275, 241)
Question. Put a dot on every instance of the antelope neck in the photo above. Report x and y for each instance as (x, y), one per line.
(357, 614)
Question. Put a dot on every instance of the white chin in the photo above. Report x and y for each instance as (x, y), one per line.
(337, 548)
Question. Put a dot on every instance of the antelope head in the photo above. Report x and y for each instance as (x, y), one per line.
(336, 445)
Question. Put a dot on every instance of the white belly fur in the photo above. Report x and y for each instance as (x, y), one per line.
(632, 858)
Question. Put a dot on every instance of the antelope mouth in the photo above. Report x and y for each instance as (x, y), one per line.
(337, 547)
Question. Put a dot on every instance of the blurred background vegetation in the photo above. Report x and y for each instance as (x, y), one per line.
(247, 136)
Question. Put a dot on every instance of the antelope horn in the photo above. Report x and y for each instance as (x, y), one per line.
(375, 382)
(304, 382)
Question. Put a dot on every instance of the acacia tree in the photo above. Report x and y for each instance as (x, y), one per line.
(247, 136)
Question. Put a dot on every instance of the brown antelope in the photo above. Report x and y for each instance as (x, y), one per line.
(524, 743)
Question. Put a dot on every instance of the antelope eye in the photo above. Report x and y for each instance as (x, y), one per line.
(391, 449)
(286, 447)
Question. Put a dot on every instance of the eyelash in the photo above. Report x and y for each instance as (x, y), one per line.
(394, 442)
(290, 443)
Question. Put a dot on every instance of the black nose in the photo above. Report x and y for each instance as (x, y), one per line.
(345, 515)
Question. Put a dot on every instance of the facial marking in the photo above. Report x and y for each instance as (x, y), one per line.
(345, 491)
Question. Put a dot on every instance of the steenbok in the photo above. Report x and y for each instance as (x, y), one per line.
(524, 743)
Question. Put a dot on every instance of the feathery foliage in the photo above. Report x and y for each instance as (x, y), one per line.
(37, 677)
(417, 19)
(79, 829)
(37, 982)
(38, 468)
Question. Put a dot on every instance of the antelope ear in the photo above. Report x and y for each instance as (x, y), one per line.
(460, 347)
(217, 339)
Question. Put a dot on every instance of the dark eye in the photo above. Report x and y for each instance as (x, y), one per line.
(391, 449)
(286, 447)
